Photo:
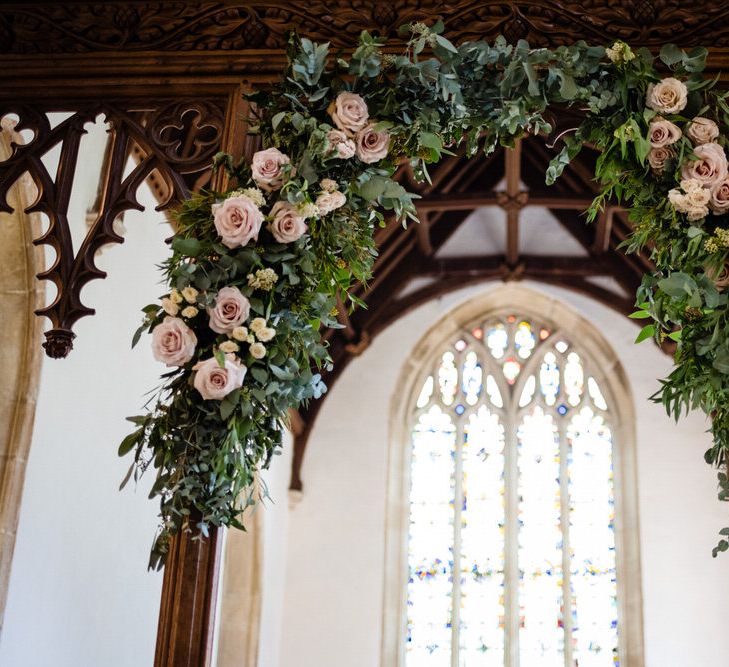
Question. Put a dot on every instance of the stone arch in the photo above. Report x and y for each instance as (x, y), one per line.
(20, 354)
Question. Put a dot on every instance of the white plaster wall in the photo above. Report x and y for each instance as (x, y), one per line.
(80, 594)
(334, 576)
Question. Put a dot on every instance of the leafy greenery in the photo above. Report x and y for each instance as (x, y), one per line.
(436, 95)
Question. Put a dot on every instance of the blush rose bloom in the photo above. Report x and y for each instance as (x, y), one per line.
(719, 202)
(710, 168)
(267, 168)
(349, 112)
(287, 224)
(231, 309)
(721, 279)
(173, 342)
(372, 146)
(662, 132)
(340, 144)
(702, 130)
(214, 382)
(327, 202)
(667, 96)
(237, 220)
(657, 158)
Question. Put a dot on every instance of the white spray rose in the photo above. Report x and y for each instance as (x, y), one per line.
(258, 350)
(169, 306)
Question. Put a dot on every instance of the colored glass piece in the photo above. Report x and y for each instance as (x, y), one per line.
(549, 378)
(472, 378)
(497, 340)
(524, 340)
(448, 378)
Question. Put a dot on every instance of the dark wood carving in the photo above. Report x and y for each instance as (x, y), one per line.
(176, 139)
(235, 26)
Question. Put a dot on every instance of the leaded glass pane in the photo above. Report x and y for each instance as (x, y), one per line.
(497, 340)
(524, 339)
(528, 392)
(511, 369)
(573, 378)
(549, 378)
(472, 378)
(430, 545)
(492, 389)
(592, 541)
(595, 394)
(482, 542)
(425, 393)
(541, 638)
(448, 378)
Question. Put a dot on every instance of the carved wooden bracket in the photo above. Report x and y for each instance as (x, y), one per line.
(175, 139)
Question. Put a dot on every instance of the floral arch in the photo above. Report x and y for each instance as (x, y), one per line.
(258, 271)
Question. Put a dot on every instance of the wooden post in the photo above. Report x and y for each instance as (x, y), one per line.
(186, 626)
(189, 593)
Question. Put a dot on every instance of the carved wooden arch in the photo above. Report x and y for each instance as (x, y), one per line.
(177, 139)
(72, 56)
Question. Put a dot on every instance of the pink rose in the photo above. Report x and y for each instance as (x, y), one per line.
(214, 382)
(709, 168)
(287, 224)
(662, 132)
(721, 279)
(657, 158)
(667, 96)
(340, 144)
(719, 202)
(237, 220)
(231, 309)
(349, 112)
(372, 146)
(702, 130)
(173, 342)
(267, 168)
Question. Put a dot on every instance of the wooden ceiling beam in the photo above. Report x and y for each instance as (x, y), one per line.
(512, 170)
(468, 201)
(532, 265)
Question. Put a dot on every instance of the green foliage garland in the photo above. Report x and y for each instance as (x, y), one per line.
(255, 274)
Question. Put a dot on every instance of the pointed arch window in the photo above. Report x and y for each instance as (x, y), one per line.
(512, 555)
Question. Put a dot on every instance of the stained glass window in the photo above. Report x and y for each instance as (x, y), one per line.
(511, 549)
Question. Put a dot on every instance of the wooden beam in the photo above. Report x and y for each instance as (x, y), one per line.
(513, 188)
(189, 593)
(603, 230)
(423, 233)
(535, 266)
(468, 201)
